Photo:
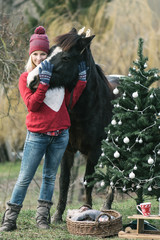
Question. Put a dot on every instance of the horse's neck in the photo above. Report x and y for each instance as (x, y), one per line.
(96, 81)
(95, 95)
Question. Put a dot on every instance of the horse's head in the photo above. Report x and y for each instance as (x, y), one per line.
(66, 54)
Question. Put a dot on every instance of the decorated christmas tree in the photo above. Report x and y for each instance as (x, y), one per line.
(130, 158)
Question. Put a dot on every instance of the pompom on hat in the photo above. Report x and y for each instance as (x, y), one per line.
(39, 41)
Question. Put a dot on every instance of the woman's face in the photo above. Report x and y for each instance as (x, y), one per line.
(38, 57)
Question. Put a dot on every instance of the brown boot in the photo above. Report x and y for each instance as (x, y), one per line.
(10, 217)
(43, 218)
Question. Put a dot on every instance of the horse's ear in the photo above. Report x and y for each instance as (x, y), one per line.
(73, 31)
(86, 42)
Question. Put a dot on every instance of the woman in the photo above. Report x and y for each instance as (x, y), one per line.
(47, 133)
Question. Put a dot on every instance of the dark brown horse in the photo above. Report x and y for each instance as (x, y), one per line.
(91, 114)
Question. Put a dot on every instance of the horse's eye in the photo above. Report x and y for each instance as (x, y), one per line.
(65, 59)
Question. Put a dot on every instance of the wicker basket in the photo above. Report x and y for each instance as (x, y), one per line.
(97, 228)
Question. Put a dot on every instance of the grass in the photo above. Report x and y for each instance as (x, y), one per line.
(27, 229)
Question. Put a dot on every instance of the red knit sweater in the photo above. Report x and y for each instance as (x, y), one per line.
(47, 108)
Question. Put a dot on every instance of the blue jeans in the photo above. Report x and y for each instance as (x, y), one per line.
(36, 145)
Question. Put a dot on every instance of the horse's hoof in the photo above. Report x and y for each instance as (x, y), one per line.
(56, 218)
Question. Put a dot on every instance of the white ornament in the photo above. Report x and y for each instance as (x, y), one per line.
(151, 96)
(155, 75)
(136, 107)
(132, 175)
(150, 189)
(137, 140)
(124, 94)
(124, 189)
(113, 122)
(134, 68)
(116, 139)
(135, 167)
(107, 139)
(102, 184)
(150, 160)
(116, 91)
(102, 154)
(101, 165)
(111, 184)
(158, 152)
(145, 65)
(135, 94)
(126, 140)
(138, 186)
(140, 140)
(117, 105)
(120, 122)
(85, 182)
(116, 154)
(129, 75)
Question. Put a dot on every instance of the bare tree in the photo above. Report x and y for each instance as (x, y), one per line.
(12, 48)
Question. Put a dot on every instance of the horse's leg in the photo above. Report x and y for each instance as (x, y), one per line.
(64, 180)
(109, 198)
(74, 175)
(92, 160)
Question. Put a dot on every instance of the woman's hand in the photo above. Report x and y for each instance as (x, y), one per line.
(82, 71)
(45, 72)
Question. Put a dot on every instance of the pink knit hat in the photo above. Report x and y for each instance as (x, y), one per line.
(39, 41)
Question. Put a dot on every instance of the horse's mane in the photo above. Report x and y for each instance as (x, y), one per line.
(68, 40)
(100, 72)
(102, 76)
